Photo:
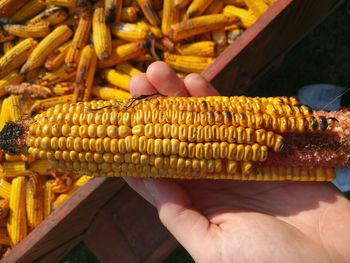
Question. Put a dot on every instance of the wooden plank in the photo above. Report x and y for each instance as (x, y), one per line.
(128, 229)
(282, 26)
(59, 253)
(67, 222)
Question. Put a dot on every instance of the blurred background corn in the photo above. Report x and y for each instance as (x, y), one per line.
(61, 51)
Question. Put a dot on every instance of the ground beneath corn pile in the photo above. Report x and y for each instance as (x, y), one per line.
(322, 57)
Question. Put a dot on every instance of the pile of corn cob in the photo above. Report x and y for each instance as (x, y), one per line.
(59, 51)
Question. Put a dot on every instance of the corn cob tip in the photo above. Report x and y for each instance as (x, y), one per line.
(12, 138)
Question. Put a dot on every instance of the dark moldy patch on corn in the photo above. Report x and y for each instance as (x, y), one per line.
(12, 138)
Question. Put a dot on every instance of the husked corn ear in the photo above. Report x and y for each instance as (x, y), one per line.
(101, 35)
(6, 46)
(130, 32)
(258, 7)
(17, 222)
(14, 107)
(113, 10)
(80, 38)
(217, 137)
(35, 200)
(44, 104)
(124, 53)
(117, 78)
(63, 88)
(49, 197)
(109, 93)
(149, 12)
(9, 7)
(187, 63)
(199, 25)
(246, 17)
(27, 31)
(65, 3)
(128, 69)
(197, 7)
(5, 189)
(63, 73)
(54, 15)
(16, 56)
(181, 3)
(64, 197)
(201, 49)
(57, 58)
(41, 52)
(170, 15)
(215, 7)
(85, 74)
(14, 169)
(4, 209)
(12, 78)
(27, 11)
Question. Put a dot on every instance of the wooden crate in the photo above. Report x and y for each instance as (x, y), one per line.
(116, 223)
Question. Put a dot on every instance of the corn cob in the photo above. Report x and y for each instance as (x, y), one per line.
(170, 15)
(12, 78)
(130, 32)
(199, 25)
(17, 223)
(85, 74)
(149, 12)
(63, 88)
(201, 49)
(4, 209)
(258, 7)
(246, 17)
(41, 52)
(5, 189)
(108, 93)
(48, 198)
(14, 169)
(24, 31)
(197, 7)
(65, 3)
(181, 3)
(113, 11)
(41, 105)
(128, 69)
(117, 78)
(6, 46)
(187, 63)
(57, 58)
(33, 90)
(29, 10)
(124, 53)
(63, 73)
(9, 7)
(80, 38)
(129, 14)
(64, 197)
(54, 15)
(215, 7)
(101, 35)
(238, 3)
(16, 56)
(35, 200)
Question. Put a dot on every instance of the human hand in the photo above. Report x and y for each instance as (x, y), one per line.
(237, 221)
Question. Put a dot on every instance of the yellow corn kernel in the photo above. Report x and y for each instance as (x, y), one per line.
(85, 74)
(5, 189)
(246, 17)
(187, 63)
(65, 3)
(130, 32)
(64, 197)
(197, 7)
(12, 78)
(54, 15)
(27, 11)
(25, 31)
(258, 7)
(129, 14)
(117, 78)
(48, 197)
(128, 69)
(41, 52)
(124, 53)
(35, 200)
(80, 38)
(63, 73)
(199, 25)
(17, 223)
(113, 11)
(16, 56)
(44, 104)
(4, 238)
(101, 35)
(109, 93)
(10, 7)
(201, 49)
(57, 58)
(4, 209)
(5, 112)
(149, 12)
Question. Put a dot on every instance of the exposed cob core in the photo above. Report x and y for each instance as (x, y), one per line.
(210, 137)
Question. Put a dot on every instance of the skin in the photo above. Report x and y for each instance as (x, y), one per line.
(233, 221)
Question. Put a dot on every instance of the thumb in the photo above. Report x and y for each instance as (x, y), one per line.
(177, 214)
